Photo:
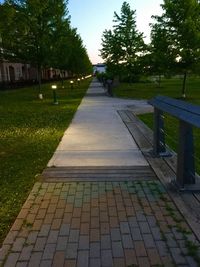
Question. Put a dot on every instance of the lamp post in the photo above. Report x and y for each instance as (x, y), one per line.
(72, 84)
(54, 88)
(78, 80)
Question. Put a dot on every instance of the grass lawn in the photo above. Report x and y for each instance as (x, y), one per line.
(171, 88)
(30, 132)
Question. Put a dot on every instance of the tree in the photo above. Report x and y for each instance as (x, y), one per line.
(160, 57)
(181, 24)
(123, 46)
(30, 28)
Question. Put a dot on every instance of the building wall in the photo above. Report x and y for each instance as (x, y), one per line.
(10, 72)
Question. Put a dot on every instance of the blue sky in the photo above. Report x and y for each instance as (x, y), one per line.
(92, 17)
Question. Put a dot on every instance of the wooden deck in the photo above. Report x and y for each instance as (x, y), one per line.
(97, 174)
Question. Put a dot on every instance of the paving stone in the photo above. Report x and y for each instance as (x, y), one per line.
(177, 256)
(124, 227)
(130, 257)
(117, 249)
(22, 264)
(114, 222)
(40, 244)
(105, 228)
(64, 230)
(26, 253)
(105, 242)
(59, 213)
(46, 263)
(32, 237)
(49, 251)
(83, 258)
(72, 249)
(48, 218)
(115, 234)
(162, 248)
(59, 259)
(35, 259)
(56, 223)
(106, 258)
(135, 233)
(12, 259)
(53, 236)
(191, 261)
(127, 241)
(44, 231)
(85, 217)
(133, 223)
(17, 225)
(95, 222)
(170, 239)
(153, 256)
(83, 242)
(140, 249)
(143, 262)
(70, 263)
(144, 228)
(148, 241)
(74, 236)
(10, 238)
(62, 243)
(4, 251)
(41, 213)
(95, 250)
(18, 244)
(156, 233)
(77, 213)
(85, 229)
(67, 218)
(94, 235)
(95, 262)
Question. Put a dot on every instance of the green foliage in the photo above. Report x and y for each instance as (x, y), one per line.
(176, 37)
(122, 46)
(40, 33)
(30, 132)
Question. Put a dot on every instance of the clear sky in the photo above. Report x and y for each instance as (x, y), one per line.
(92, 17)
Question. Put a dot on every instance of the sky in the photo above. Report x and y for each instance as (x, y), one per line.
(92, 17)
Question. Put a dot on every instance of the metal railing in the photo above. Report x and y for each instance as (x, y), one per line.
(188, 116)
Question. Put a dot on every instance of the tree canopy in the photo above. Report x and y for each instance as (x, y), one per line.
(176, 36)
(123, 45)
(39, 32)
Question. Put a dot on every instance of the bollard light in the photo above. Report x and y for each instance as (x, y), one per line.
(54, 88)
(78, 80)
(72, 84)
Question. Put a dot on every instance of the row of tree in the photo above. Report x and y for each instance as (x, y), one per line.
(174, 47)
(39, 32)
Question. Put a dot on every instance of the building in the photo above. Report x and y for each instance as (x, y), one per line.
(100, 68)
(15, 72)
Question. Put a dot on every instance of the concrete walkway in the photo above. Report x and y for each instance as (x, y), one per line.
(97, 136)
(108, 223)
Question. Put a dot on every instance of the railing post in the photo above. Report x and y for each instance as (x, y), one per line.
(185, 161)
(159, 134)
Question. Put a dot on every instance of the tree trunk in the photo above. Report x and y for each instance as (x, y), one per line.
(184, 85)
(39, 81)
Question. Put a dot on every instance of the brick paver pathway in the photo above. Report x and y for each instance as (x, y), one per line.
(99, 224)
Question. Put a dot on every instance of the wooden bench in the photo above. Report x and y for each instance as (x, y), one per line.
(188, 116)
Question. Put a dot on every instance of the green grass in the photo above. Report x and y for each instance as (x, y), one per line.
(30, 132)
(171, 88)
